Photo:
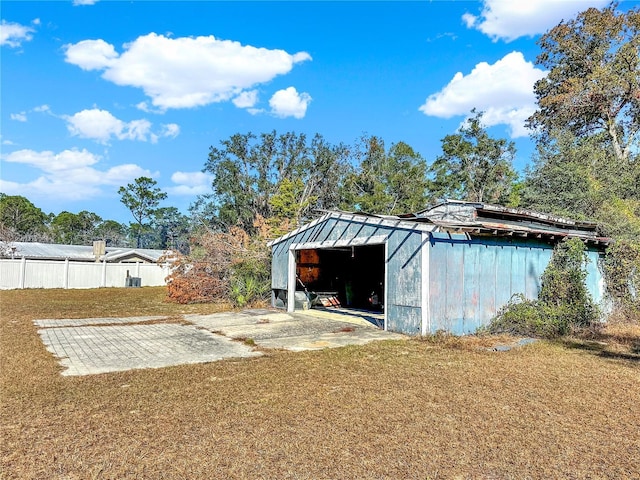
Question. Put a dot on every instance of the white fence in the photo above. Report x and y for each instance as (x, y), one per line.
(23, 273)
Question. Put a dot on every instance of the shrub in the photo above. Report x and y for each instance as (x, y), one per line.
(195, 283)
(229, 266)
(621, 268)
(564, 288)
(564, 303)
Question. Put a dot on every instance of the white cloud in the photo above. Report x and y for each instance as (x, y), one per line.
(69, 174)
(19, 117)
(145, 107)
(125, 173)
(511, 19)
(171, 130)
(191, 183)
(13, 34)
(99, 125)
(503, 90)
(102, 126)
(84, 2)
(289, 103)
(22, 116)
(50, 162)
(91, 54)
(246, 99)
(184, 72)
(136, 130)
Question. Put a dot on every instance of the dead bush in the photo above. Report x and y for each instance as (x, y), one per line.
(223, 266)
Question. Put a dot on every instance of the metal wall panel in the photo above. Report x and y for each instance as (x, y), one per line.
(595, 280)
(404, 260)
(470, 279)
(404, 319)
(404, 281)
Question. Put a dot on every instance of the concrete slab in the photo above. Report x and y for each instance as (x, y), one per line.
(219, 321)
(87, 350)
(328, 340)
(101, 345)
(79, 322)
(359, 317)
(311, 330)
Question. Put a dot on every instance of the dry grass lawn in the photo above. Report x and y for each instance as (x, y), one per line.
(424, 409)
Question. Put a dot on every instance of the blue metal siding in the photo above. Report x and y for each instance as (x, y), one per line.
(404, 281)
(331, 229)
(404, 319)
(471, 270)
(403, 264)
(279, 265)
(595, 283)
(472, 278)
(404, 272)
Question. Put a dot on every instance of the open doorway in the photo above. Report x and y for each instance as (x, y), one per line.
(351, 278)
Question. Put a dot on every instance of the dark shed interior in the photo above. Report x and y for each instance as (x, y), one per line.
(349, 277)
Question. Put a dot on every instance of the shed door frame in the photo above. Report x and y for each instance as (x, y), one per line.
(356, 242)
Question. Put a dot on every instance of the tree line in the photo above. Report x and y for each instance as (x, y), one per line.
(287, 179)
(160, 228)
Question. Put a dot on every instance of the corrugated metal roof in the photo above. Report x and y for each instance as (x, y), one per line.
(452, 206)
(50, 251)
(481, 218)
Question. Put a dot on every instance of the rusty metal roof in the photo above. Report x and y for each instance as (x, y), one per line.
(485, 218)
(479, 218)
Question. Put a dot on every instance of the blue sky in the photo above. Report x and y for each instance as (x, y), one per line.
(97, 93)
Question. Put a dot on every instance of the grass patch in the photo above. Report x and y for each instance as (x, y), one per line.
(428, 408)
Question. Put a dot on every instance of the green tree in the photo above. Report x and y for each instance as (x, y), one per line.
(142, 198)
(561, 180)
(474, 166)
(171, 229)
(385, 182)
(285, 203)
(621, 267)
(580, 177)
(259, 177)
(113, 233)
(74, 229)
(593, 84)
(21, 217)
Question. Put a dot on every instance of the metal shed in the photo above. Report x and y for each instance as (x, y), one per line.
(449, 267)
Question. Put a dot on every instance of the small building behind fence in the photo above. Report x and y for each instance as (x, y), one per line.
(43, 265)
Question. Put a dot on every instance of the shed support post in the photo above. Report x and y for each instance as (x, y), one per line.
(425, 293)
(291, 281)
(385, 312)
